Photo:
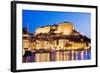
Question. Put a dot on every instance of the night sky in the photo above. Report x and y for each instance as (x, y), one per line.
(34, 19)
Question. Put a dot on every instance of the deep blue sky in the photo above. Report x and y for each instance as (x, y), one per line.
(34, 19)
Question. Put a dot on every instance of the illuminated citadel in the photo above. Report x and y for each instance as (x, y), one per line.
(62, 36)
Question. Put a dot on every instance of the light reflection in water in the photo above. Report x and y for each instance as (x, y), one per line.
(58, 56)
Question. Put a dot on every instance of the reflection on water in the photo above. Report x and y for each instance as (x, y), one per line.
(57, 56)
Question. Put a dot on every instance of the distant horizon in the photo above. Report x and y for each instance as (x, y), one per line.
(33, 19)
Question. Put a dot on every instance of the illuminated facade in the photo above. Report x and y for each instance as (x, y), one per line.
(62, 29)
(61, 36)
